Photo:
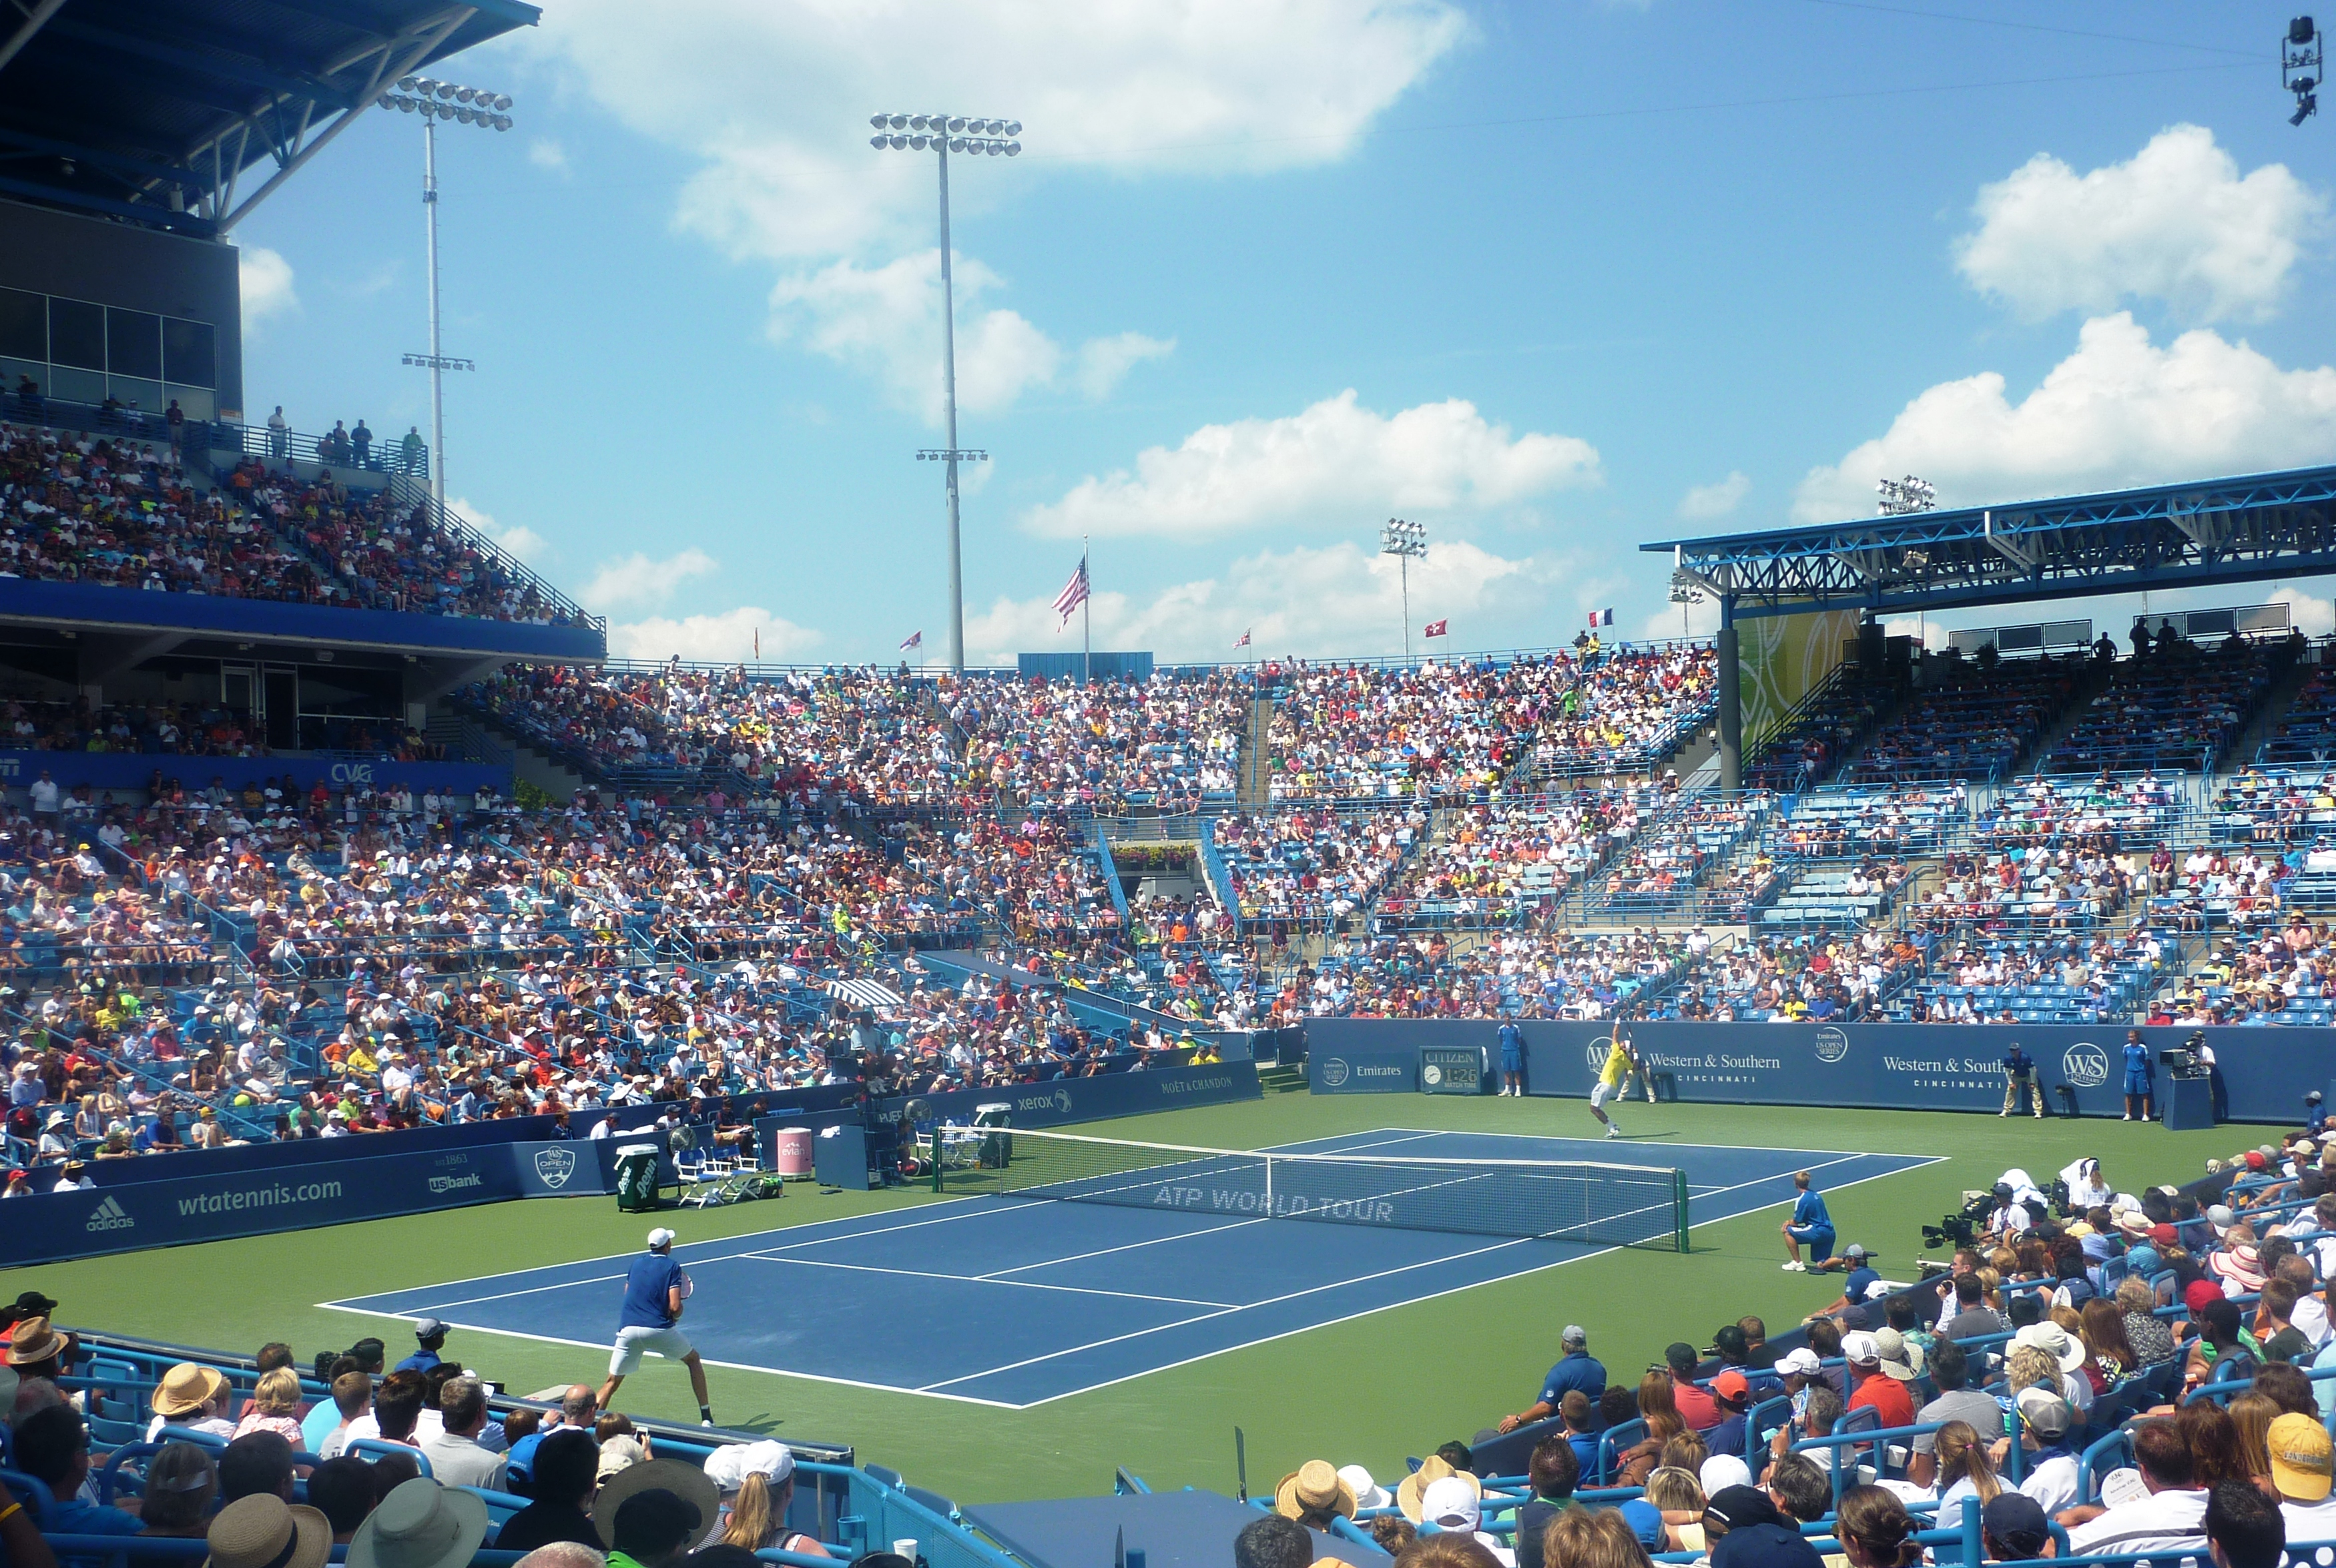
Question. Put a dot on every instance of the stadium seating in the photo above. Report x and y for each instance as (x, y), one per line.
(2177, 709)
(1972, 724)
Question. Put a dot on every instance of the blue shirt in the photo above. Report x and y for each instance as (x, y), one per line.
(318, 1425)
(1579, 1370)
(72, 1516)
(1513, 1040)
(1809, 1209)
(2137, 1063)
(1860, 1279)
(648, 1288)
(420, 1361)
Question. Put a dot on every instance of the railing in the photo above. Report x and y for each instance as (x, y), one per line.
(329, 450)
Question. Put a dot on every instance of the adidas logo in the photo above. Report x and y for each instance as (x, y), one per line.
(110, 1216)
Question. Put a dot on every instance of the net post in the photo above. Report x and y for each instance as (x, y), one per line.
(1268, 1186)
(937, 1156)
(1679, 1209)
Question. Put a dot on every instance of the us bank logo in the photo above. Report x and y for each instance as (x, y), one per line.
(1832, 1044)
(554, 1166)
(2085, 1065)
(1334, 1072)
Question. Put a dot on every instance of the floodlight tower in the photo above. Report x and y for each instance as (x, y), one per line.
(2300, 61)
(944, 134)
(1903, 498)
(1406, 542)
(489, 111)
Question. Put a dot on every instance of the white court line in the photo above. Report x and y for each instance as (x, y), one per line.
(985, 1279)
(732, 1366)
(1333, 1285)
(1124, 1247)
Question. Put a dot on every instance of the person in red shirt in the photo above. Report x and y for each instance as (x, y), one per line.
(1872, 1384)
(1696, 1408)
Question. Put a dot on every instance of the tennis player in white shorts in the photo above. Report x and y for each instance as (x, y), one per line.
(655, 1288)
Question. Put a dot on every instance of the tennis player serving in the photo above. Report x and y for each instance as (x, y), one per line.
(1621, 1061)
(656, 1287)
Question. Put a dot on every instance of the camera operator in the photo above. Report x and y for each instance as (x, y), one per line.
(2018, 1077)
(2011, 1216)
(2217, 1089)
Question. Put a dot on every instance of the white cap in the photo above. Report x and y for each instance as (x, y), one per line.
(1450, 1503)
(729, 1466)
(1802, 1362)
(1860, 1348)
(660, 1237)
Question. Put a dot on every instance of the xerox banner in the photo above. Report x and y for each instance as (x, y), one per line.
(1896, 1066)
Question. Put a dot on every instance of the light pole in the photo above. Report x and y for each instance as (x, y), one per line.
(435, 100)
(944, 134)
(1406, 542)
(1685, 594)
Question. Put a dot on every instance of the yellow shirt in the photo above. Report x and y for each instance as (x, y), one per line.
(1617, 1068)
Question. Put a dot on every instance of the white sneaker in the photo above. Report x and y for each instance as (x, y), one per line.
(1795, 1268)
(1613, 1131)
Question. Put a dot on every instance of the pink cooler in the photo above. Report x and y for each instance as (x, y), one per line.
(792, 1151)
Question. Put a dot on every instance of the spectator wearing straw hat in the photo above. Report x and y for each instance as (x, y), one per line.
(1314, 1495)
(266, 1532)
(420, 1525)
(686, 1485)
(191, 1396)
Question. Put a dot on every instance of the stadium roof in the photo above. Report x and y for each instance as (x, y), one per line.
(2252, 529)
(151, 110)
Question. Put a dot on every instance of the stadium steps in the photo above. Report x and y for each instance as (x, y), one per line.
(1256, 765)
(1286, 1078)
(532, 766)
(2277, 699)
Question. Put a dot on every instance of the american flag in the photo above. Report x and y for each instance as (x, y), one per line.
(1074, 594)
(1435, 628)
(913, 640)
(1243, 643)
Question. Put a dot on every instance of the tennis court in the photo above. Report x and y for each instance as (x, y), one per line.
(1014, 1301)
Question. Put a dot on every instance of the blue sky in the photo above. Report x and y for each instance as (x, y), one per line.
(1552, 279)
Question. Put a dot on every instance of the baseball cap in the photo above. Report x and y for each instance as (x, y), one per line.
(1451, 1503)
(1575, 1334)
(2220, 1216)
(1731, 1386)
(1765, 1546)
(1861, 1348)
(1802, 1362)
(2301, 1460)
(1738, 1506)
(2163, 1235)
(2017, 1522)
(428, 1329)
(2198, 1293)
(2045, 1412)
(660, 1237)
(1646, 1522)
(1853, 1251)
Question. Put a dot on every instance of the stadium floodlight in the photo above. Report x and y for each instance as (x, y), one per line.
(1902, 497)
(967, 136)
(2301, 67)
(434, 100)
(1406, 542)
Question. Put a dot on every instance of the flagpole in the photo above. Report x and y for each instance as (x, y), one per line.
(1086, 624)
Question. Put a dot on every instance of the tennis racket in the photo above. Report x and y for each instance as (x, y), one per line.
(687, 1286)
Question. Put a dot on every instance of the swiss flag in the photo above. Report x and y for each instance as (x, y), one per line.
(1435, 628)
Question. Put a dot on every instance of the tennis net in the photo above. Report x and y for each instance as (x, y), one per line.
(1570, 1200)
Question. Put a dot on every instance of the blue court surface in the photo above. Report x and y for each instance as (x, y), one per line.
(1013, 1301)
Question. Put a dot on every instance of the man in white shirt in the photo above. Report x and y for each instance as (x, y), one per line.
(455, 1455)
(2044, 1421)
(2170, 1517)
(2301, 1468)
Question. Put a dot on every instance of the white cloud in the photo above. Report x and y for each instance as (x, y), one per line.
(1934, 633)
(518, 540)
(2176, 222)
(1701, 620)
(2313, 615)
(1105, 362)
(730, 635)
(2119, 411)
(546, 153)
(1335, 460)
(1704, 502)
(1332, 601)
(886, 322)
(265, 280)
(774, 95)
(635, 579)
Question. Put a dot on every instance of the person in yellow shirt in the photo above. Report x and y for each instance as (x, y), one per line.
(1621, 1061)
